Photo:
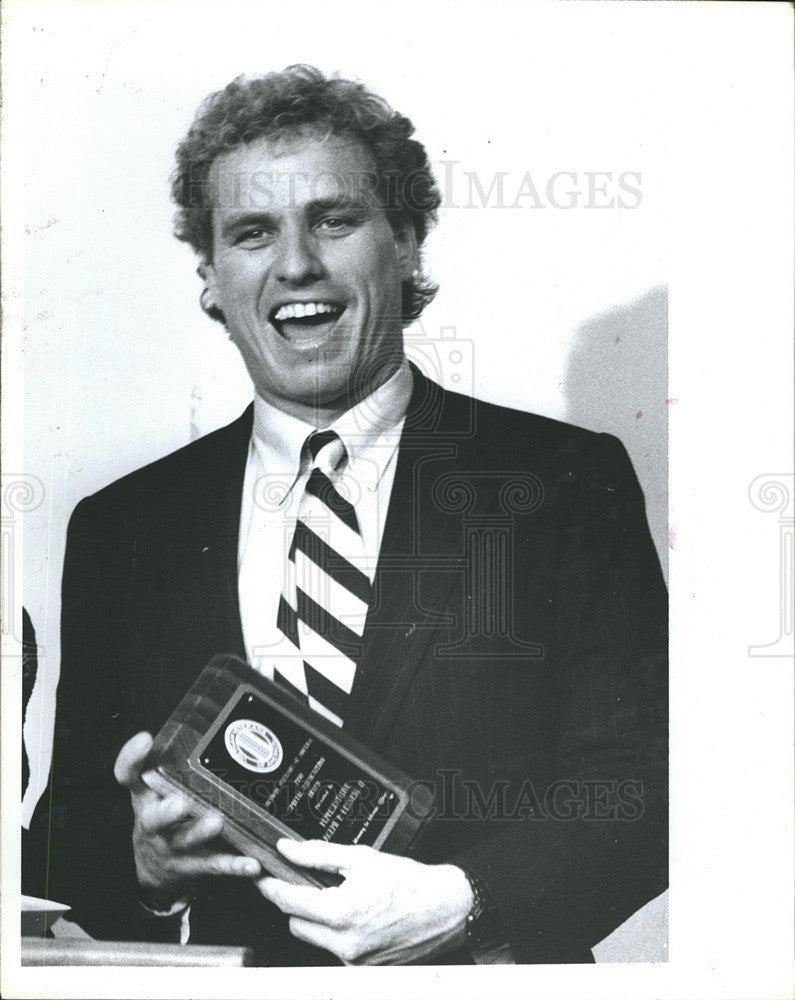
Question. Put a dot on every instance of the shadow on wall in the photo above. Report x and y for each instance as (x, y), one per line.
(617, 381)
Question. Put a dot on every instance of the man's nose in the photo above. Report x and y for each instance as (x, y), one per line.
(298, 260)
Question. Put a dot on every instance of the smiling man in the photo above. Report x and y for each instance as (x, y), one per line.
(310, 287)
(527, 692)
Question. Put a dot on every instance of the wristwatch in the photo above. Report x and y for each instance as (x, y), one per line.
(486, 937)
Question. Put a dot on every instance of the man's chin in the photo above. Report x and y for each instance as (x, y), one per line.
(312, 398)
(325, 380)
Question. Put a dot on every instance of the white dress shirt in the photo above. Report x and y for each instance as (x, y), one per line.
(276, 473)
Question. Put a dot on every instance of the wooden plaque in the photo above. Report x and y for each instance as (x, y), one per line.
(243, 746)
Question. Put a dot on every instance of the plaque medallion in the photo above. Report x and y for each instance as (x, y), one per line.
(253, 745)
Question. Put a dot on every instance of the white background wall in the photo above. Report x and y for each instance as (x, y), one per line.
(119, 361)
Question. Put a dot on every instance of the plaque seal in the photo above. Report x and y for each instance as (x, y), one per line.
(253, 745)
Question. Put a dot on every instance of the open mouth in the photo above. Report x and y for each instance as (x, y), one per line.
(306, 323)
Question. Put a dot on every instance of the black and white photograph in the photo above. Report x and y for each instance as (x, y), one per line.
(397, 557)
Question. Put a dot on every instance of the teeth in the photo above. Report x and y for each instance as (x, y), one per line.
(298, 310)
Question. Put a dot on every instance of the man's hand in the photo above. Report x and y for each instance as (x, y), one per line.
(170, 846)
(388, 909)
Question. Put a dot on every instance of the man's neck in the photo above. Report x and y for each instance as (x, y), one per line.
(279, 436)
(323, 413)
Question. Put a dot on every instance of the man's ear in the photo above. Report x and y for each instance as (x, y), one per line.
(206, 272)
(408, 253)
(207, 296)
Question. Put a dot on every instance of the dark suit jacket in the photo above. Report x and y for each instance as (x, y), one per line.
(514, 659)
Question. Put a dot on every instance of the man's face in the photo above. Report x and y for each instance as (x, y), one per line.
(307, 270)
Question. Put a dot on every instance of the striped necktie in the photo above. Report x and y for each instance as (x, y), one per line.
(326, 593)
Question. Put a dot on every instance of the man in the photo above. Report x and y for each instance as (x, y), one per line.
(511, 614)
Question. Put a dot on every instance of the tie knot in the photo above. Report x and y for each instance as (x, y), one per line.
(325, 449)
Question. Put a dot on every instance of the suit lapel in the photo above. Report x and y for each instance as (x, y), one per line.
(399, 627)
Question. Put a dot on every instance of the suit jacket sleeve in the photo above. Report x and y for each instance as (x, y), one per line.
(601, 851)
(82, 825)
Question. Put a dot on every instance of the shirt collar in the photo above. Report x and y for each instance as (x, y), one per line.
(370, 431)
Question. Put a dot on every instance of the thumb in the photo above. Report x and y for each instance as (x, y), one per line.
(129, 763)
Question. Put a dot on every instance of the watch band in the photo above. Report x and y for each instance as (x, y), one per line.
(485, 930)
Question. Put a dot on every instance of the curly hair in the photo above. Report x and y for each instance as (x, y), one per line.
(297, 97)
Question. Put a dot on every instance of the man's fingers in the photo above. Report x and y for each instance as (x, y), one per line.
(128, 766)
(325, 857)
(322, 905)
(197, 833)
(158, 814)
(194, 865)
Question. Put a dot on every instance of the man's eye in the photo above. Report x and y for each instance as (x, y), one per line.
(256, 234)
(336, 223)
